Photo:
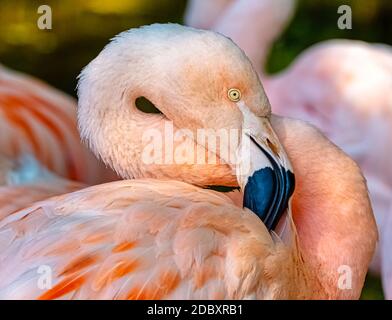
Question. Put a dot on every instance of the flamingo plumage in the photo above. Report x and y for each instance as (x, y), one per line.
(39, 121)
(25, 181)
(41, 153)
(166, 236)
(341, 86)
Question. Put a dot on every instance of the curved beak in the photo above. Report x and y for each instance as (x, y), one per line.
(264, 172)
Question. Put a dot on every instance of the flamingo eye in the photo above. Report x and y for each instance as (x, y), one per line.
(234, 94)
(146, 106)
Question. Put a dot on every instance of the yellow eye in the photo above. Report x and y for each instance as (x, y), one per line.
(234, 94)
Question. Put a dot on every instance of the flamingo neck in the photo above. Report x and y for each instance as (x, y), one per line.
(331, 211)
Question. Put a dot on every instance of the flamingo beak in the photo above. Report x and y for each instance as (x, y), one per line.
(264, 172)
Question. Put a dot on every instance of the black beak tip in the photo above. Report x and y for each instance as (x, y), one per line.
(267, 193)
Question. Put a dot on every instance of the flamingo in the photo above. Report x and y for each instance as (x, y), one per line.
(25, 181)
(39, 122)
(163, 234)
(341, 86)
(41, 154)
(252, 24)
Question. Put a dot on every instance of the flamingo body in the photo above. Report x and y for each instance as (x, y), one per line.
(26, 181)
(40, 121)
(146, 239)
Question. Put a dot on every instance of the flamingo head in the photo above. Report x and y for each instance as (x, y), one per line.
(153, 92)
(253, 24)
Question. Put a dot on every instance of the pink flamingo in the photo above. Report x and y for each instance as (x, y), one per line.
(343, 87)
(40, 144)
(167, 237)
(39, 121)
(25, 181)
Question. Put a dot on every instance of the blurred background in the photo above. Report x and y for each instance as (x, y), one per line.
(80, 29)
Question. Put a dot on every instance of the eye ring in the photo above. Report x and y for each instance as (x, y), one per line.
(234, 94)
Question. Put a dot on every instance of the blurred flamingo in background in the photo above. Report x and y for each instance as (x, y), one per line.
(343, 87)
(40, 150)
(253, 25)
(39, 121)
(160, 239)
(386, 255)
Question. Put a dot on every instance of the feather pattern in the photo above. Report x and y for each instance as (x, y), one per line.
(146, 239)
(40, 121)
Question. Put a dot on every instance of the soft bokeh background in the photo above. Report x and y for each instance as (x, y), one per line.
(82, 28)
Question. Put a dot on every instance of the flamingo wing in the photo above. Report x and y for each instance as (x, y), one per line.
(38, 120)
(139, 239)
(14, 198)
